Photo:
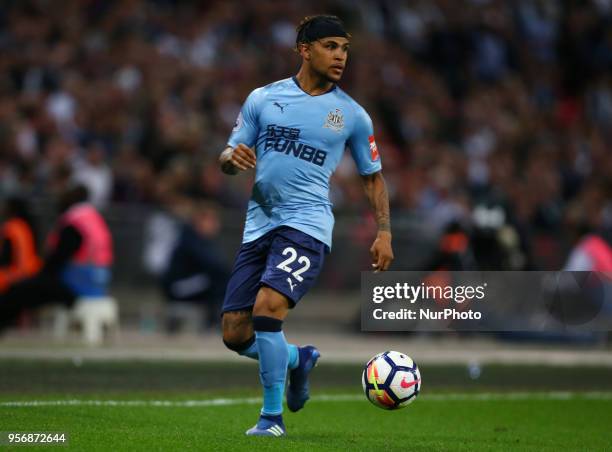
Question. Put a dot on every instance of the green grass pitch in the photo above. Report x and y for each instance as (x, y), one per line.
(171, 406)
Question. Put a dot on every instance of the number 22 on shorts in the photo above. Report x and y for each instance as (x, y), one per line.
(293, 255)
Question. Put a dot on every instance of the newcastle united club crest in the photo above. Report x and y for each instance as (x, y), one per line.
(335, 120)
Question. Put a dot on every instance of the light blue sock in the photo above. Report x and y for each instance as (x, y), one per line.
(294, 355)
(273, 359)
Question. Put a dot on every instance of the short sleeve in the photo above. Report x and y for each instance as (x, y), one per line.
(363, 145)
(246, 128)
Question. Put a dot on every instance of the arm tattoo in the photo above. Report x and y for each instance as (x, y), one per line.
(383, 218)
(376, 191)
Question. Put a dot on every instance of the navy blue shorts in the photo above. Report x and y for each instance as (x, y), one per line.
(285, 259)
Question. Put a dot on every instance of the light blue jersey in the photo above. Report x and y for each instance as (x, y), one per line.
(299, 142)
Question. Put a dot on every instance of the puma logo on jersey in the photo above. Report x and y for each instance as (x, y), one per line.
(280, 106)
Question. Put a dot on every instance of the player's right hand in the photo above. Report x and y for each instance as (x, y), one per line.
(243, 157)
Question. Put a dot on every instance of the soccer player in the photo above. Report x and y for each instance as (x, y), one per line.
(293, 133)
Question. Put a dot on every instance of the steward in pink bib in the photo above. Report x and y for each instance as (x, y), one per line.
(87, 272)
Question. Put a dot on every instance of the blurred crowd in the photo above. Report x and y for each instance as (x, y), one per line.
(489, 114)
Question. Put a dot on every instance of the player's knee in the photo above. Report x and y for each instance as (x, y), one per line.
(270, 303)
(233, 336)
(237, 330)
(267, 310)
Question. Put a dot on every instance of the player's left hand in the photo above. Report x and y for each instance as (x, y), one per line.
(381, 251)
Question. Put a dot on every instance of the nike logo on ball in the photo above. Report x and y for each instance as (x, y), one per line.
(405, 385)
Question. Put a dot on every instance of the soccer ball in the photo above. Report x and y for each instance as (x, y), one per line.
(391, 380)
